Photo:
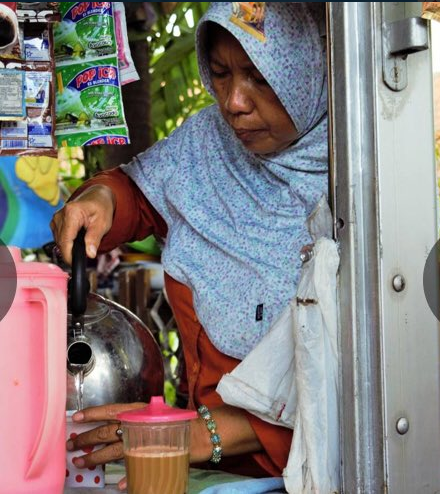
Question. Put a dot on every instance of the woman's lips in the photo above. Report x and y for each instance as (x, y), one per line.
(247, 134)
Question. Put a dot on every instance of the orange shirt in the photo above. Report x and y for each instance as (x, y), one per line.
(135, 218)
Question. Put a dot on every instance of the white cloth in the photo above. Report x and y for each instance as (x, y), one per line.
(291, 377)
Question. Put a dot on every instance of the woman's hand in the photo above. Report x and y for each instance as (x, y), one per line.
(105, 434)
(92, 209)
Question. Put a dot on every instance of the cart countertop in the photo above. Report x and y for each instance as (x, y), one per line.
(198, 481)
(108, 489)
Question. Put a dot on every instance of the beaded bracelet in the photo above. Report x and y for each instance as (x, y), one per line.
(217, 450)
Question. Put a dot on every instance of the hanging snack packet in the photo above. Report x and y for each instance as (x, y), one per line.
(33, 132)
(12, 94)
(36, 43)
(250, 17)
(431, 10)
(37, 90)
(38, 12)
(88, 99)
(89, 95)
(86, 30)
(39, 108)
(9, 31)
(111, 135)
(89, 107)
(127, 69)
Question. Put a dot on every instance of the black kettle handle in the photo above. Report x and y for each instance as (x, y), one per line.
(79, 285)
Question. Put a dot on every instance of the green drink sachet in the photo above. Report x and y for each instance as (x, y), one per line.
(111, 135)
(89, 107)
(88, 96)
(86, 30)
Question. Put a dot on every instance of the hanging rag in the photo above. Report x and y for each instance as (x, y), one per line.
(291, 376)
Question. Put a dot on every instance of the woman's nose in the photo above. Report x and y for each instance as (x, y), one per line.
(238, 99)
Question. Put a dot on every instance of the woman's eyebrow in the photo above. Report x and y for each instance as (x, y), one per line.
(216, 61)
(248, 65)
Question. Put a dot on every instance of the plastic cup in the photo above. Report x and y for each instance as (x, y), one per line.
(156, 448)
(82, 477)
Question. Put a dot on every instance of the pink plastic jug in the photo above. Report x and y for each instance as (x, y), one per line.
(33, 381)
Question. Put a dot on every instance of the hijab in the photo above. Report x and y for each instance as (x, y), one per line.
(236, 220)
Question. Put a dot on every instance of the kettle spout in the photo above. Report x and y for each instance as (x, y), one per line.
(80, 356)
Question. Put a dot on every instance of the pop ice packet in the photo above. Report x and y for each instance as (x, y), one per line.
(88, 96)
(89, 107)
(86, 31)
(111, 135)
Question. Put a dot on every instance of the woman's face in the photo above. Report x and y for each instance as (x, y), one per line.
(246, 100)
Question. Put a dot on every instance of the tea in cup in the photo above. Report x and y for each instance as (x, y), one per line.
(156, 448)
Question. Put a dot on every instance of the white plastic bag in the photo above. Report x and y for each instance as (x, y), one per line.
(313, 464)
(262, 382)
(291, 377)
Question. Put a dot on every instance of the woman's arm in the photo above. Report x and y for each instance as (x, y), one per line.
(241, 433)
(237, 435)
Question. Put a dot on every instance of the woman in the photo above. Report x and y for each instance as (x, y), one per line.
(229, 192)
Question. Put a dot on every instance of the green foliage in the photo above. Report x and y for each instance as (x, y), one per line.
(176, 89)
(72, 170)
(170, 393)
(169, 343)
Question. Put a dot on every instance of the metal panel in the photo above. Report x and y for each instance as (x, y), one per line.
(408, 226)
(353, 138)
(385, 213)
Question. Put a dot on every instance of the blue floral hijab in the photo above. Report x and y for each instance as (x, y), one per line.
(236, 220)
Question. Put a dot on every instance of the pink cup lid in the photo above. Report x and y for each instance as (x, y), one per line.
(157, 411)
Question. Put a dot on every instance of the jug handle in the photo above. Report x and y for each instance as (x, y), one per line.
(55, 388)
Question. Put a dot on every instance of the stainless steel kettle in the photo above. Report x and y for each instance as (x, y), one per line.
(112, 357)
